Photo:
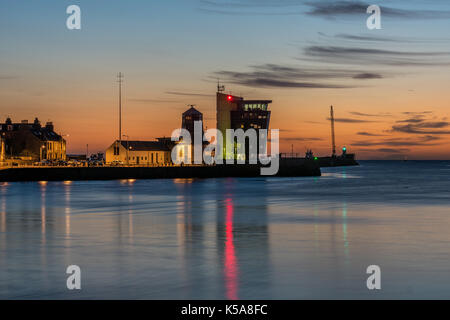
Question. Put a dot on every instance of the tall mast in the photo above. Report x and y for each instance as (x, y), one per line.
(120, 77)
(333, 142)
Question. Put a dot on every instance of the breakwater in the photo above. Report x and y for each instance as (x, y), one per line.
(291, 169)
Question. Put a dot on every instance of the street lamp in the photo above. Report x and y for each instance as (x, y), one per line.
(128, 161)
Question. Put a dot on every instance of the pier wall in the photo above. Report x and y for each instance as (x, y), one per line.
(113, 173)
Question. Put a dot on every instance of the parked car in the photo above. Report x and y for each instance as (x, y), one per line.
(45, 163)
(61, 163)
(116, 163)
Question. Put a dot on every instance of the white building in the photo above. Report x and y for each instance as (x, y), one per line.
(146, 153)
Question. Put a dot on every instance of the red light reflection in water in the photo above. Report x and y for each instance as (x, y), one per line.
(231, 270)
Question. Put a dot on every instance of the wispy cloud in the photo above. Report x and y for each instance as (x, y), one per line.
(351, 120)
(333, 9)
(252, 7)
(362, 114)
(319, 8)
(376, 38)
(282, 76)
(302, 139)
(139, 100)
(371, 56)
(367, 75)
(423, 127)
(427, 140)
(368, 134)
(193, 94)
(391, 150)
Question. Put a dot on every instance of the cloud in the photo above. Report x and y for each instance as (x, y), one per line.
(358, 8)
(271, 83)
(177, 93)
(427, 140)
(283, 76)
(350, 120)
(390, 150)
(251, 7)
(367, 75)
(361, 114)
(154, 100)
(374, 38)
(367, 56)
(368, 134)
(302, 139)
(412, 120)
(365, 38)
(423, 127)
(324, 9)
(414, 113)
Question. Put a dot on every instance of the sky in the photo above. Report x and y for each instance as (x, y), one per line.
(389, 87)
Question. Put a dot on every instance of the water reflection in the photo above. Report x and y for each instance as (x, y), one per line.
(227, 238)
(192, 233)
(67, 192)
(242, 239)
(344, 231)
(43, 186)
(3, 189)
(230, 262)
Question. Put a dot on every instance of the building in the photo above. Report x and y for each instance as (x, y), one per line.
(2, 149)
(31, 142)
(149, 153)
(188, 118)
(237, 113)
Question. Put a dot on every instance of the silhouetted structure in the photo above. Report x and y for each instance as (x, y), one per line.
(234, 112)
(188, 118)
(31, 142)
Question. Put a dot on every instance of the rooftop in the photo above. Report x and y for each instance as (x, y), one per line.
(145, 145)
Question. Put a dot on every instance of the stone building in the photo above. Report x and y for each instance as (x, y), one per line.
(31, 142)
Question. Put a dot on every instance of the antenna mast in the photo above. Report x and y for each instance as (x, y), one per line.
(220, 88)
(333, 142)
(120, 77)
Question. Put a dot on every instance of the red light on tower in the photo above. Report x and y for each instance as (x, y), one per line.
(229, 98)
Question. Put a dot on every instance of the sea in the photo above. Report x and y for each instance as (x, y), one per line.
(232, 238)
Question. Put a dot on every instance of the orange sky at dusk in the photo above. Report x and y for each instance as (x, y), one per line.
(389, 87)
(301, 115)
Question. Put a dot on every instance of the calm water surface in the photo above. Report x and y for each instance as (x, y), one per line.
(261, 238)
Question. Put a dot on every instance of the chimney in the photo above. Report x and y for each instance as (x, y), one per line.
(49, 126)
(36, 124)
